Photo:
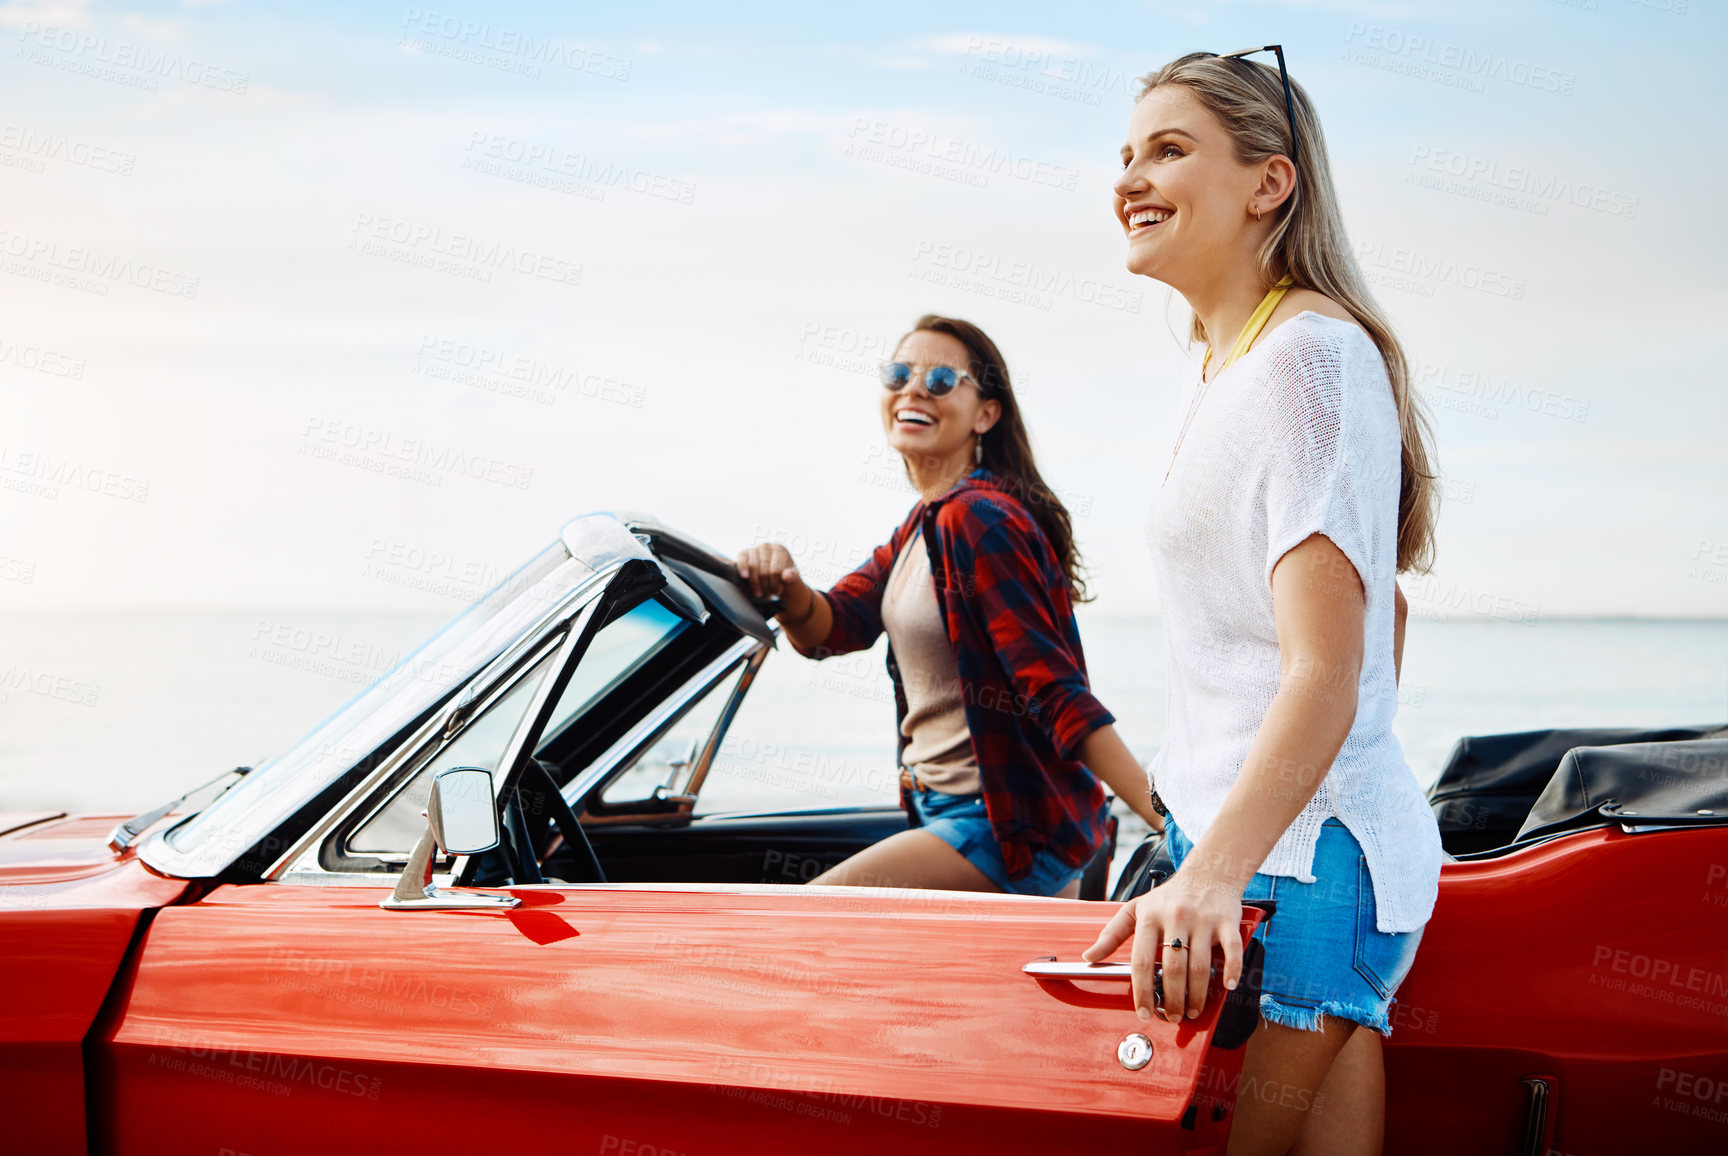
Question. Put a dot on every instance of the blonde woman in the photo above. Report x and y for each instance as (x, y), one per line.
(1297, 488)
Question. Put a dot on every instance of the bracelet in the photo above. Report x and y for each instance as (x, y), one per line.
(802, 618)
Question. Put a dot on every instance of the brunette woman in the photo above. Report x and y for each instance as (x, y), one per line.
(1001, 742)
(1297, 488)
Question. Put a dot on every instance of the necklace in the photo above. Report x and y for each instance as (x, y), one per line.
(1250, 331)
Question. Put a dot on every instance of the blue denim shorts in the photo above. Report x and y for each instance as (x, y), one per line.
(962, 822)
(1324, 956)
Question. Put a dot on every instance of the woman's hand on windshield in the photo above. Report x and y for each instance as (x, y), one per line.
(770, 572)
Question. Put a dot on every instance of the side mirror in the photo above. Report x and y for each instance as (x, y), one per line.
(462, 812)
(462, 819)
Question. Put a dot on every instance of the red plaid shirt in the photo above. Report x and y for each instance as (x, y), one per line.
(1017, 648)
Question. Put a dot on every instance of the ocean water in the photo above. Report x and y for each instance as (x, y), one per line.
(119, 712)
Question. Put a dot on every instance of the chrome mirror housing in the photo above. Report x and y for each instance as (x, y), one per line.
(461, 819)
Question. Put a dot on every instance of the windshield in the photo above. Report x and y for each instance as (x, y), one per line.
(621, 648)
(404, 693)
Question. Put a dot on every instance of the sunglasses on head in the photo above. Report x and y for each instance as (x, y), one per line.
(1283, 77)
(938, 381)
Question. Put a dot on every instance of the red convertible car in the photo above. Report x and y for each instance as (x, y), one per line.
(478, 907)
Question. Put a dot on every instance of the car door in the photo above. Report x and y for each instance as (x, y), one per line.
(638, 1018)
(635, 1018)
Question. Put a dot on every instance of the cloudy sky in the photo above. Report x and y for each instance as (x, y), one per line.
(340, 305)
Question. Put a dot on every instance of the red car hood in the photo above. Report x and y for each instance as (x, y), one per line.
(53, 847)
(49, 859)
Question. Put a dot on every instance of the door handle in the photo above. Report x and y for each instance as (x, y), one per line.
(1051, 968)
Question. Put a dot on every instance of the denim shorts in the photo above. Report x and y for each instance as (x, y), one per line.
(961, 822)
(1324, 956)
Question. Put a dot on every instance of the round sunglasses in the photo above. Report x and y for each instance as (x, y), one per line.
(939, 381)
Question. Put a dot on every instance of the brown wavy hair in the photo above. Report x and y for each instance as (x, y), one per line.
(1309, 244)
(1008, 447)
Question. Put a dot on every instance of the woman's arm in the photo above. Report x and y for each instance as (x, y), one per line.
(1108, 757)
(1318, 606)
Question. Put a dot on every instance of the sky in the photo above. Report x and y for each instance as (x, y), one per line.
(350, 305)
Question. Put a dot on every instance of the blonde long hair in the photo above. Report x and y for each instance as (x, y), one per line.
(1309, 244)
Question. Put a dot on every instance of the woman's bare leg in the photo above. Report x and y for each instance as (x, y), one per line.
(909, 859)
(1282, 1075)
(1350, 1118)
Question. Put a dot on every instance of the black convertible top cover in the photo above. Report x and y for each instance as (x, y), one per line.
(1497, 789)
(1636, 784)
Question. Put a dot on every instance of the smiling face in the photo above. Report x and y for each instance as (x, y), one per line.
(929, 430)
(1183, 197)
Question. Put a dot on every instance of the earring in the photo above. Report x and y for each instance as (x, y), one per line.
(1256, 212)
(978, 452)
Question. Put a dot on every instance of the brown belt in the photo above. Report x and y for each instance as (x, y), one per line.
(909, 781)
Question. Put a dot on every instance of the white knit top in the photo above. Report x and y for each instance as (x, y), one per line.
(1299, 436)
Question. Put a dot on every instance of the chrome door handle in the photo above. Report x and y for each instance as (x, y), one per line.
(1052, 968)
(1077, 969)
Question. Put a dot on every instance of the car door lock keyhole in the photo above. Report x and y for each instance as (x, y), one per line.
(1135, 1052)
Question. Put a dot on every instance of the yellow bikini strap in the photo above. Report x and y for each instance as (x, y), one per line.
(1256, 323)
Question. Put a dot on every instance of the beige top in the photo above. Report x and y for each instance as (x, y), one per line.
(938, 745)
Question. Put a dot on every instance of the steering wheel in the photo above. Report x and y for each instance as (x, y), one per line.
(543, 796)
(516, 859)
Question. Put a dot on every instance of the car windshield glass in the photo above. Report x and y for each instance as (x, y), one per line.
(421, 680)
(623, 646)
(482, 744)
